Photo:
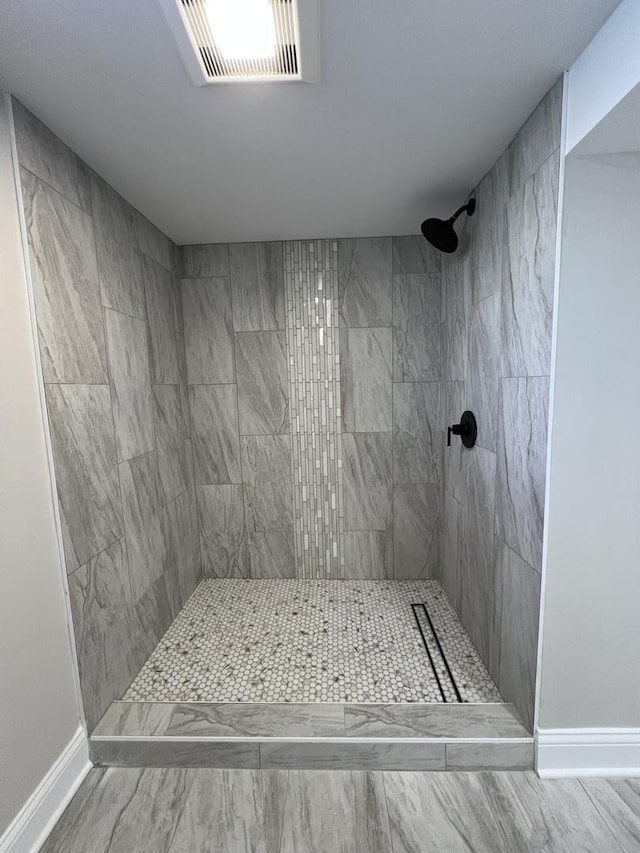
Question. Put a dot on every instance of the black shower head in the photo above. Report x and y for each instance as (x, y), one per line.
(441, 233)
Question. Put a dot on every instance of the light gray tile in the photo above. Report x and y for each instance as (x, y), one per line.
(417, 432)
(61, 839)
(341, 812)
(270, 554)
(46, 156)
(257, 285)
(135, 718)
(352, 756)
(153, 243)
(368, 554)
(428, 720)
(204, 261)
(142, 508)
(366, 459)
(266, 465)
(416, 531)
(86, 469)
(489, 756)
(222, 534)
(412, 254)
(527, 307)
(127, 810)
(518, 601)
(214, 418)
(537, 139)
(119, 266)
(181, 571)
(450, 571)
(488, 232)
(168, 432)
(269, 719)
(208, 330)
(484, 367)
(132, 753)
(416, 328)
(263, 382)
(65, 283)
(456, 306)
(477, 547)
(100, 596)
(618, 801)
(365, 367)
(153, 615)
(246, 813)
(194, 531)
(164, 323)
(131, 395)
(364, 280)
(454, 404)
(522, 444)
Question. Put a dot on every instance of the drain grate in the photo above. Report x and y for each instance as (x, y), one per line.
(437, 659)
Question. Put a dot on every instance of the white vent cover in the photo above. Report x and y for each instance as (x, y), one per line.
(295, 49)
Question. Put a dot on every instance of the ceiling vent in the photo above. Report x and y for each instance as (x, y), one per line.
(224, 41)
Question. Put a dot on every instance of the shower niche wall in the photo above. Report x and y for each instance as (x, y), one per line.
(257, 431)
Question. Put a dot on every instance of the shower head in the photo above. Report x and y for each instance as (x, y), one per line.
(441, 233)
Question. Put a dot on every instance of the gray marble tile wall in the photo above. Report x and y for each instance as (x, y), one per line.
(298, 361)
(497, 298)
(111, 337)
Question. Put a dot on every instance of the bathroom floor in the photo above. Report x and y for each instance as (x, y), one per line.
(286, 640)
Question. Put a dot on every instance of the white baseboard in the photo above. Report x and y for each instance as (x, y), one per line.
(562, 753)
(35, 820)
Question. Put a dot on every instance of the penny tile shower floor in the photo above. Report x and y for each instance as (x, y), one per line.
(309, 641)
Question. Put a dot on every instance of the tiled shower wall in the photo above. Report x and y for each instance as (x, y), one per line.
(496, 337)
(314, 380)
(110, 334)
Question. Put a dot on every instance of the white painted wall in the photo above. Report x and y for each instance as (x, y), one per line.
(605, 72)
(39, 711)
(591, 638)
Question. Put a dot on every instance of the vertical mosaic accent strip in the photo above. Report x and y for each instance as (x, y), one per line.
(311, 290)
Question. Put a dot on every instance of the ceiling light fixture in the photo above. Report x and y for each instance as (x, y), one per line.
(242, 29)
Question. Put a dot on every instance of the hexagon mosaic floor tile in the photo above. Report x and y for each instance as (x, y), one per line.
(284, 640)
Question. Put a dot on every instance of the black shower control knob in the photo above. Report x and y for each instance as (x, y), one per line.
(467, 429)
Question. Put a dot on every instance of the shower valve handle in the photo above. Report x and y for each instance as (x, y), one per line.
(467, 429)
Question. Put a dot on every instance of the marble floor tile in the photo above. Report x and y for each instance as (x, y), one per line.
(364, 281)
(341, 812)
(84, 451)
(618, 802)
(131, 395)
(214, 420)
(208, 330)
(352, 756)
(246, 813)
(416, 328)
(484, 352)
(367, 464)
(128, 810)
(119, 259)
(412, 254)
(222, 532)
(257, 720)
(365, 373)
(368, 554)
(418, 436)
(518, 606)
(61, 838)
(65, 284)
(263, 382)
(490, 756)
(257, 284)
(44, 155)
(162, 301)
(527, 308)
(154, 244)
(205, 260)
(100, 596)
(266, 466)
(142, 510)
(169, 441)
(416, 531)
(522, 460)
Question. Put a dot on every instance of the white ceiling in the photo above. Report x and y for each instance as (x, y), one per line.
(417, 99)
